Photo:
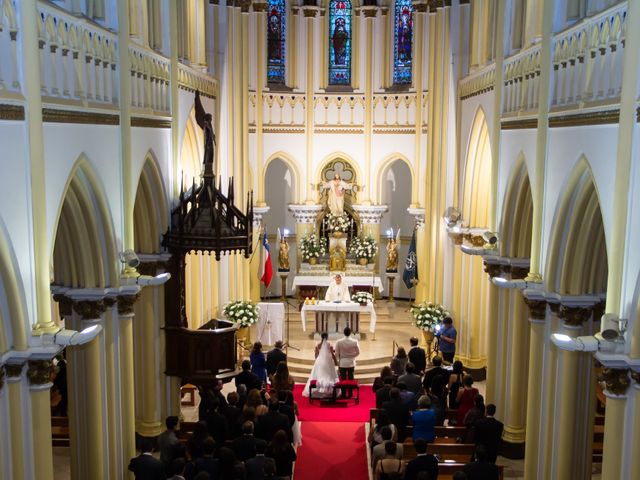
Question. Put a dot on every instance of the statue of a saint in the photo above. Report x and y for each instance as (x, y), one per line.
(337, 260)
(392, 255)
(204, 120)
(283, 256)
(337, 189)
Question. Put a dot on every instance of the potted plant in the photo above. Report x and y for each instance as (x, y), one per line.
(363, 298)
(337, 224)
(241, 312)
(428, 317)
(364, 248)
(312, 247)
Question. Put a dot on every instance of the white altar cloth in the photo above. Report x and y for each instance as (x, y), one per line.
(324, 280)
(343, 307)
(270, 321)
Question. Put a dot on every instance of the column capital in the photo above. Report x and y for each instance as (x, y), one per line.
(369, 11)
(309, 11)
(537, 308)
(305, 213)
(258, 213)
(574, 316)
(90, 309)
(126, 304)
(636, 378)
(370, 214)
(418, 213)
(493, 268)
(65, 304)
(616, 381)
(39, 373)
(13, 371)
(259, 6)
(420, 6)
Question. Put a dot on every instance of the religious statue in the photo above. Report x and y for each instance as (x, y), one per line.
(283, 256)
(392, 255)
(337, 189)
(337, 260)
(204, 119)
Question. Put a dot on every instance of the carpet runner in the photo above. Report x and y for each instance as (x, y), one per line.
(333, 438)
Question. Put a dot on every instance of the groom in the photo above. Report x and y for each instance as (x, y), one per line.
(347, 349)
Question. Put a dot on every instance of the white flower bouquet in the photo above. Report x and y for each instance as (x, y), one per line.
(312, 246)
(337, 223)
(427, 315)
(241, 312)
(363, 298)
(364, 247)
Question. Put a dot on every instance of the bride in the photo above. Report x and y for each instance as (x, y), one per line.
(324, 370)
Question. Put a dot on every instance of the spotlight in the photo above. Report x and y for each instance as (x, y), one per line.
(129, 258)
(491, 238)
(451, 216)
(66, 337)
(160, 279)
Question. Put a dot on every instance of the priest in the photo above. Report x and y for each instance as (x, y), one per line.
(337, 291)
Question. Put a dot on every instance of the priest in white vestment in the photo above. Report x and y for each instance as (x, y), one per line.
(337, 292)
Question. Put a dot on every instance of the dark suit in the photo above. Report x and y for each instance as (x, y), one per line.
(481, 471)
(255, 467)
(245, 447)
(418, 357)
(146, 467)
(269, 423)
(250, 379)
(382, 395)
(422, 463)
(488, 432)
(274, 357)
(433, 373)
(217, 426)
(232, 414)
(399, 416)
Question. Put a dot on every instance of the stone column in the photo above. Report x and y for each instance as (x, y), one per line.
(616, 383)
(420, 291)
(369, 13)
(493, 270)
(18, 460)
(260, 8)
(39, 375)
(310, 13)
(370, 217)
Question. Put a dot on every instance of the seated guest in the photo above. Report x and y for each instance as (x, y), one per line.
(145, 466)
(258, 362)
(436, 371)
(423, 462)
(281, 379)
(417, 356)
(230, 467)
(245, 446)
(274, 357)
(247, 377)
(168, 440)
(424, 421)
(382, 394)
(488, 432)
(206, 463)
(375, 434)
(465, 398)
(378, 382)
(481, 468)
(455, 383)
(257, 465)
(378, 452)
(438, 397)
(389, 467)
(399, 362)
(398, 412)
(196, 440)
(282, 452)
(411, 379)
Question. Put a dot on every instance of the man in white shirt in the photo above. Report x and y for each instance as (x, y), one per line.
(337, 292)
(347, 349)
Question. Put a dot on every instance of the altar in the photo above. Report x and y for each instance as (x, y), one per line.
(371, 281)
(351, 310)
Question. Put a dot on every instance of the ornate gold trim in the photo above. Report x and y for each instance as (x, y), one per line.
(525, 123)
(580, 119)
(283, 130)
(53, 115)
(339, 131)
(150, 122)
(11, 112)
(401, 131)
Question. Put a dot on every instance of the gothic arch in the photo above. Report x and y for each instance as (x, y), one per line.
(342, 156)
(476, 174)
(293, 167)
(191, 152)
(382, 168)
(150, 212)
(13, 320)
(517, 213)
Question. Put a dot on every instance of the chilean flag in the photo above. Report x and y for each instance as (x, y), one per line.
(267, 270)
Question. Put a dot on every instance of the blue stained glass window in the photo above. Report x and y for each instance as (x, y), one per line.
(340, 42)
(403, 42)
(276, 16)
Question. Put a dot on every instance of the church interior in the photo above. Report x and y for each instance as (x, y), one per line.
(479, 155)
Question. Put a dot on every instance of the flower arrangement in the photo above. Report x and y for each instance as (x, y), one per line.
(363, 298)
(428, 315)
(312, 246)
(337, 223)
(364, 247)
(241, 312)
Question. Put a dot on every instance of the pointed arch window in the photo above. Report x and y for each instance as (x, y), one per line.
(340, 42)
(403, 42)
(276, 41)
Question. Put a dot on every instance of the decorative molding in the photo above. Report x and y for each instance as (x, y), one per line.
(369, 11)
(395, 131)
(616, 380)
(575, 316)
(53, 115)
(259, 6)
(90, 309)
(11, 112)
(339, 131)
(283, 130)
(126, 304)
(580, 119)
(522, 124)
(309, 12)
(305, 213)
(258, 213)
(146, 122)
(418, 213)
(537, 308)
(39, 372)
(370, 214)
(65, 304)
(493, 269)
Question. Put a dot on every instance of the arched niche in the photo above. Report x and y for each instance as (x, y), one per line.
(280, 192)
(13, 321)
(517, 215)
(150, 213)
(191, 152)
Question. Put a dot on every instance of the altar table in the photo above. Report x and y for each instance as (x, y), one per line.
(323, 308)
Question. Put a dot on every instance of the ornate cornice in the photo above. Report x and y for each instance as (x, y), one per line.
(537, 308)
(370, 214)
(53, 115)
(581, 119)
(39, 372)
(616, 380)
(305, 213)
(523, 124)
(339, 131)
(90, 309)
(418, 214)
(575, 316)
(126, 304)
(11, 112)
(151, 122)
(258, 213)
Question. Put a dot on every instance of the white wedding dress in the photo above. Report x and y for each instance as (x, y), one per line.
(323, 372)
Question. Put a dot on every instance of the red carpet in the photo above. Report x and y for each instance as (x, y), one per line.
(332, 451)
(342, 411)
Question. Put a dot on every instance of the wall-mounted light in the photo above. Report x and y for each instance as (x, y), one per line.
(129, 258)
(66, 337)
(452, 216)
(159, 279)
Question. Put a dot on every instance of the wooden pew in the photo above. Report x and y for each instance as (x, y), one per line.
(60, 431)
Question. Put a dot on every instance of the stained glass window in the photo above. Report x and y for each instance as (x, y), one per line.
(340, 42)
(276, 15)
(403, 42)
